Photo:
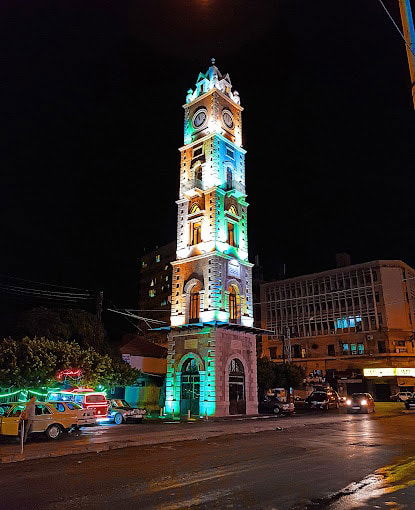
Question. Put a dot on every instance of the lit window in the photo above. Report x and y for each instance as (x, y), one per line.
(196, 233)
(233, 305)
(232, 209)
(353, 348)
(152, 292)
(231, 234)
(157, 258)
(345, 348)
(360, 348)
(348, 322)
(194, 306)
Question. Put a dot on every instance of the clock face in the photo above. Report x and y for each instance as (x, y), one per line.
(227, 118)
(199, 118)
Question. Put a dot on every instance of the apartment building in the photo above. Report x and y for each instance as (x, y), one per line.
(155, 287)
(346, 325)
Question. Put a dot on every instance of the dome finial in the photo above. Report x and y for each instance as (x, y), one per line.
(213, 61)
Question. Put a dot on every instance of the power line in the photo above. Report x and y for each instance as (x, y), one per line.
(45, 292)
(41, 283)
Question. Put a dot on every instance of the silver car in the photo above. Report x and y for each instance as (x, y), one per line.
(120, 411)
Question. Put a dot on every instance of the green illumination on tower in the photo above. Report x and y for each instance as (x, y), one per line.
(212, 282)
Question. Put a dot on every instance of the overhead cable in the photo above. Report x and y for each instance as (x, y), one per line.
(397, 27)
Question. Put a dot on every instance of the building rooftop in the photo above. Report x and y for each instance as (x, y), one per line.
(364, 265)
(136, 345)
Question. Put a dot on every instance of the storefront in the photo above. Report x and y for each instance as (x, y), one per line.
(384, 382)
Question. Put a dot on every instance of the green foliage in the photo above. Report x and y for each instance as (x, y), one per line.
(61, 324)
(265, 374)
(278, 375)
(33, 362)
(289, 375)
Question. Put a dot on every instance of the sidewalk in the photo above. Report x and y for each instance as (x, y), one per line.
(110, 437)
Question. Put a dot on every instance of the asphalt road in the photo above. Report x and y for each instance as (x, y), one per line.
(366, 462)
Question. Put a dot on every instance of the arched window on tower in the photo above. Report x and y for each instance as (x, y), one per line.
(195, 233)
(198, 173)
(234, 307)
(194, 303)
(231, 234)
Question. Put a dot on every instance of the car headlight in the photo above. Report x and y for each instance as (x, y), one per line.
(348, 402)
(363, 402)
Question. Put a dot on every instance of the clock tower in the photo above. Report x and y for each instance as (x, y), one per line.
(212, 344)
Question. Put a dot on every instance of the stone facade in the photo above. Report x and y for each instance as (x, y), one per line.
(211, 365)
(213, 348)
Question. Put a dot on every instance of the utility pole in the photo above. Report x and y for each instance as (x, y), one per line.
(286, 357)
(286, 346)
(409, 35)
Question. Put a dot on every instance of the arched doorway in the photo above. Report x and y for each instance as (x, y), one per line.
(190, 387)
(237, 399)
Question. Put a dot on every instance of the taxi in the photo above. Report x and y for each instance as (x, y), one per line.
(83, 417)
(48, 419)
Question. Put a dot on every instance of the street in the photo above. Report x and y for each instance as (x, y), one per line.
(297, 467)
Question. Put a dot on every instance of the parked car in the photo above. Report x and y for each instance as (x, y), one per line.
(401, 396)
(48, 420)
(410, 402)
(85, 397)
(323, 400)
(274, 405)
(120, 411)
(360, 403)
(84, 417)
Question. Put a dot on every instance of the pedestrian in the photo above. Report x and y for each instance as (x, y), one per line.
(28, 417)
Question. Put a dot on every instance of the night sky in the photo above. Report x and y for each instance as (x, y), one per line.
(92, 115)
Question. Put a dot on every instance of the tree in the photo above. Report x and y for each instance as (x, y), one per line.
(61, 324)
(34, 362)
(265, 374)
(289, 375)
(278, 375)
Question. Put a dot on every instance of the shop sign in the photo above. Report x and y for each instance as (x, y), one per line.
(389, 372)
(408, 372)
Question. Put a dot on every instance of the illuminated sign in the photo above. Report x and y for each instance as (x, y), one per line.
(73, 373)
(389, 372)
